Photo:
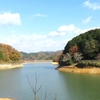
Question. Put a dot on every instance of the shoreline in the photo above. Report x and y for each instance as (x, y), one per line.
(55, 63)
(73, 69)
(5, 99)
(10, 66)
(38, 61)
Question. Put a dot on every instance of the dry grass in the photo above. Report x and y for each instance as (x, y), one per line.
(92, 70)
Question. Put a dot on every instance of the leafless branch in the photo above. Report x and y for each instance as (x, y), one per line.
(55, 98)
(46, 95)
(36, 89)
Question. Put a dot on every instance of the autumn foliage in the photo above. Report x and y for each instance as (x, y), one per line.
(9, 54)
(73, 49)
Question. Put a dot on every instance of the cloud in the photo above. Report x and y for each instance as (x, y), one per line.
(52, 41)
(56, 33)
(40, 15)
(69, 29)
(66, 28)
(87, 20)
(33, 43)
(85, 30)
(63, 30)
(94, 6)
(53, 33)
(8, 18)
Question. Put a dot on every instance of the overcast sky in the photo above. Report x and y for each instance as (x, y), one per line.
(46, 25)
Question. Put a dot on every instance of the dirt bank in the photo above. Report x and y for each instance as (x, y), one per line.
(5, 99)
(80, 70)
(9, 66)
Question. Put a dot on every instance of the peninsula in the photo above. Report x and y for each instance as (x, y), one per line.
(81, 54)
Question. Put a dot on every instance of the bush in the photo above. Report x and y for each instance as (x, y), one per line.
(88, 63)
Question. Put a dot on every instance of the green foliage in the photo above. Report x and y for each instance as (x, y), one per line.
(88, 44)
(65, 59)
(85, 47)
(89, 63)
(1, 55)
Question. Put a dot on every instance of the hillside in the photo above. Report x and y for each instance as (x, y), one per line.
(85, 46)
(39, 55)
(9, 54)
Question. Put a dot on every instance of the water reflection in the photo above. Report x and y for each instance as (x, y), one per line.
(81, 86)
(67, 86)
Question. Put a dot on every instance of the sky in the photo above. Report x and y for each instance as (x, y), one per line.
(46, 25)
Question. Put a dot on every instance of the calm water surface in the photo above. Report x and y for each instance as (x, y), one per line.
(67, 86)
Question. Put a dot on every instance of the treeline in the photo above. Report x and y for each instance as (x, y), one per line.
(85, 46)
(40, 56)
(9, 54)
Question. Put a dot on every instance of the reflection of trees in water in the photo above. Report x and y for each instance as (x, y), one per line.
(81, 86)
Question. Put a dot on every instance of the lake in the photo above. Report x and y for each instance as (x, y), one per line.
(64, 86)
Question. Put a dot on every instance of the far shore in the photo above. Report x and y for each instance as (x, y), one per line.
(74, 69)
(55, 63)
(38, 61)
(10, 66)
(5, 99)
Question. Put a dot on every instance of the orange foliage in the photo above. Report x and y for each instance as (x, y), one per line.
(9, 53)
(73, 49)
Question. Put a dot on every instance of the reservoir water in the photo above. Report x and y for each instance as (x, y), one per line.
(65, 86)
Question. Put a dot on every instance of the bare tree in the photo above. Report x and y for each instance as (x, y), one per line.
(55, 98)
(46, 95)
(36, 89)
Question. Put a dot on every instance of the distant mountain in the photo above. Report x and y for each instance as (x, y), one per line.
(39, 55)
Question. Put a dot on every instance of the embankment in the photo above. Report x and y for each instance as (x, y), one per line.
(92, 70)
(10, 66)
(5, 99)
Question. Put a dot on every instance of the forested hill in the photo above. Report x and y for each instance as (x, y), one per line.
(9, 54)
(88, 44)
(40, 55)
(85, 46)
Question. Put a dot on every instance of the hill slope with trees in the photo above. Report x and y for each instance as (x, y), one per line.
(85, 46)
(40, 56)
(9, 54)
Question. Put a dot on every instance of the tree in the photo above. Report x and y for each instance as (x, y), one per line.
(77, 57)
(1, 55)
(65, 59)
(73, 49)
(57, 57)
(36, 89)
